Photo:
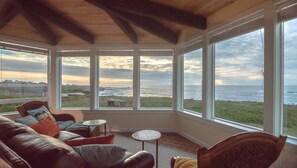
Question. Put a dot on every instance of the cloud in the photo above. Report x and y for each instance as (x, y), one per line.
(193, 68)
(240, 59)
(74, 79)
(24, 76)
(290, 52)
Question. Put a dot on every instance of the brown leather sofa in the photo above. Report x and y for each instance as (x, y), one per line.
(22, 147)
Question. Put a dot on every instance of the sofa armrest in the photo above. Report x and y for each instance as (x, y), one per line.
(141, 159)
(63, 117)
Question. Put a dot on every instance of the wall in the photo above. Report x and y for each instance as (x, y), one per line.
(208, 133)
(129, 121)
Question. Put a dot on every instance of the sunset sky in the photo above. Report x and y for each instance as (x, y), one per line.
(238, 61)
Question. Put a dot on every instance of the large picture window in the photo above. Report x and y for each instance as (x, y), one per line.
(115, 81)
(239, 86)
(155, 81)
(290, 82)
(23, 77)
(193, 81)
(75, 79)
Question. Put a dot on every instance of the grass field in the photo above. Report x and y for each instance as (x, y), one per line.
(249, 113)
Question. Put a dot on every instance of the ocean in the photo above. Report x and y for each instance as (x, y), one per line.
(223, 92)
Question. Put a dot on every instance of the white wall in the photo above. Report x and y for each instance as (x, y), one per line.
(208, 133)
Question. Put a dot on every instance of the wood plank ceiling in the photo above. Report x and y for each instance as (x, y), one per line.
(86, 20)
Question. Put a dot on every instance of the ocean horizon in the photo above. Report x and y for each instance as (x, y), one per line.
(254, 93)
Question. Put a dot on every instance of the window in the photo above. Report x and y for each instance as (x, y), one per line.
(23, 77)
(290, 82)
(193, 81)
(115, 81)
(155, 81)
(239, 84)
(75, 79)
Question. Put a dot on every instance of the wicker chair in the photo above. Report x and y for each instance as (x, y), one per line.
(61, 119)
(245, 150)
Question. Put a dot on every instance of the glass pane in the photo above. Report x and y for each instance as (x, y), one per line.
(290, 83)
(239, 84)
(193, 80)
(156, 81)
(22, 75)
(75, 89)
(116, 81)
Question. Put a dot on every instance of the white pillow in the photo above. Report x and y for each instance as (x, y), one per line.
(41, 113)
(28, 120)
(102, 155)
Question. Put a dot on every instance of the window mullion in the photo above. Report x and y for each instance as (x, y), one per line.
(93, 80)
(272, 79)
(136, 79)
(207, 79)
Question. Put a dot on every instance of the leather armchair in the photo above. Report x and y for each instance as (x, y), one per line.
(64, 121)
(35, 104)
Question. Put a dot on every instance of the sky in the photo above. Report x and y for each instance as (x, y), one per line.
(238, 61)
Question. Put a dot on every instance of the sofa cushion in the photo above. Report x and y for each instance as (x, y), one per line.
(10, 128)
(65, 135)
(8, 157)
(64, 124)
(46, 127)
(109, 139)
(44, 151)
(28, 120)
(102, 156)
(40, 113)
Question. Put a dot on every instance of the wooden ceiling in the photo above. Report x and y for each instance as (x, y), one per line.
(52, 21)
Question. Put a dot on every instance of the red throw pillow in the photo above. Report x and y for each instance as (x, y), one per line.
(109, 139)
(46, 127)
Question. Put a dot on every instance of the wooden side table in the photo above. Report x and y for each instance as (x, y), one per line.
(148, 135)
(96, 124)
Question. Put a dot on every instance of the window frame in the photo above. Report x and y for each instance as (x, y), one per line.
(71, 53)
(155, 53)
(186, 51)
(282, 53)
(113, 53)
(20, 48)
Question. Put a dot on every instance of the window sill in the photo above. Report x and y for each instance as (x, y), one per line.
(194, 113)
(9, 113)
(155, 108)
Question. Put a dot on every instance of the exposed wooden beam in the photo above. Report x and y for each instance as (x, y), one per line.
(125, 26)
(41, 9)
(35, 21)
(7, 13)
(143, 22)
(153, 10)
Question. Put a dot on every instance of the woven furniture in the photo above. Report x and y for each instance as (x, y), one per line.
(245, 150)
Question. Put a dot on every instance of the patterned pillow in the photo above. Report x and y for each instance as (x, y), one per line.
(41, 113)
(28, 120)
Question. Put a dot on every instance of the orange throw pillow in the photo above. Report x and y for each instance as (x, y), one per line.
(46, 127)
(109, 139)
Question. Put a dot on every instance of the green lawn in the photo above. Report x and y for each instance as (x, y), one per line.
(249, 113)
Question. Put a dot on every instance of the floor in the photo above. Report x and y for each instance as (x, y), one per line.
(173, 140)
(170, 144)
